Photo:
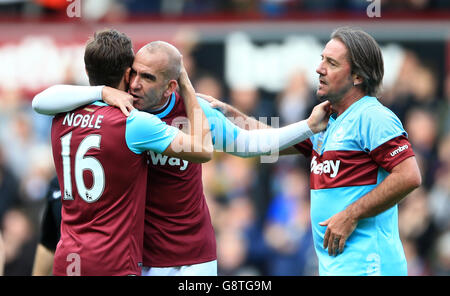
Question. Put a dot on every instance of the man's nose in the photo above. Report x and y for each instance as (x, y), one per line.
(321, 69)
(135, 83)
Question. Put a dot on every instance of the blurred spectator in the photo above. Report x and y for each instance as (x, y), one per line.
(208, 84)
(320, 5)
(276, 7)
(238, 174)
(105, 10)
(2, 254)
(439, 201)
(243, 6)
(294, 101)
(231, 254)
(138, 7)
(198, 7)
(441, 260)
(422, 130)
(417, 265)
(406, 4)
(416, 224)
(248, 101)
(416, 86)
(287, 229)
(29, 157)
(49, 231)
(13, 7)
(236, 233)
(25, 152)
(20, 243)
(186, 40)
(414, 216)
(424, 87)
(9, 185)
(444, 109)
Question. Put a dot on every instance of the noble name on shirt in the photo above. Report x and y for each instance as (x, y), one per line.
(91, 121)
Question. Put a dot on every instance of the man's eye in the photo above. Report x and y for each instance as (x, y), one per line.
(149, 77)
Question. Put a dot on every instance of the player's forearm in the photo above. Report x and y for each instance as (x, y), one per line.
(242, 120)
(63, 98)
(404, 178)
(264, 141)
(199, 128)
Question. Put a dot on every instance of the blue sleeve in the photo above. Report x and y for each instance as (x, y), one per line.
(379, 125)
(145, 131)
(223, 131)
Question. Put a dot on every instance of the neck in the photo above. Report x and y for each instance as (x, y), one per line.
(122, 86)
(347, 100)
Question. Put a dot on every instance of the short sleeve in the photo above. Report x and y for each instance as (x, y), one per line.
(392, 152)
(383, 137)
(377, 126)
(145, 131)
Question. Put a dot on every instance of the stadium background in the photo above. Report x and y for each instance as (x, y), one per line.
(260, 56)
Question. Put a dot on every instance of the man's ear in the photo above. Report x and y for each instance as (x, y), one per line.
(171, 87)
(357, 80)
(127, 75)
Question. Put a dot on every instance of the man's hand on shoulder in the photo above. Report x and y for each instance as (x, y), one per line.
(318, 120)
(119, 99)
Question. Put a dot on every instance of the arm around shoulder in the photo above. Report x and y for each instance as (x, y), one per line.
(64, 98)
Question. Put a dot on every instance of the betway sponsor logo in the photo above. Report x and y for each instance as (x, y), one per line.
(157, 158)
(399, 149)
(330, 167)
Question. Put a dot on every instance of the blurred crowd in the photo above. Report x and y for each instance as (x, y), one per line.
(260, 211)
(118, 9)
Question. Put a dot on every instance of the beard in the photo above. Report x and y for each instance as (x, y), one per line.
(153, 99)
(335, 96)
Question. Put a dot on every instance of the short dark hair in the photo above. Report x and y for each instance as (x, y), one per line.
(107, 56)
(365, 57)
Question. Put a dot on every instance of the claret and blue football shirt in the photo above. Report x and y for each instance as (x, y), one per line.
(99, 160)
(352, 156)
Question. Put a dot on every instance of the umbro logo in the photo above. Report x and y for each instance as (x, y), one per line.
(399, 149)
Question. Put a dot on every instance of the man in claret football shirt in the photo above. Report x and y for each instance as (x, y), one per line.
(103, 207)
(179, 238)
